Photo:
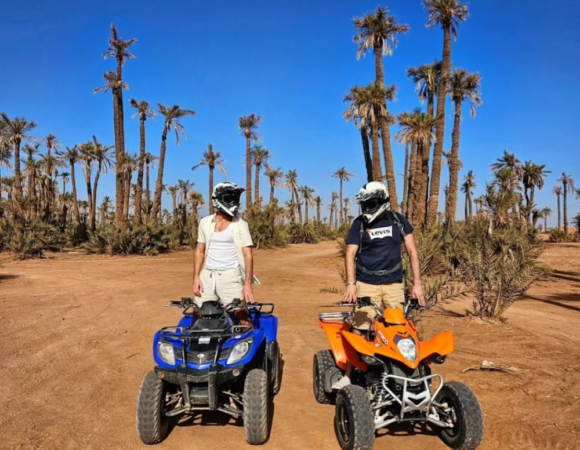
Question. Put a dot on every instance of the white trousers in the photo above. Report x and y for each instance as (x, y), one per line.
(221, 285)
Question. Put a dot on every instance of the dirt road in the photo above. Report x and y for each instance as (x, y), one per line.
(76, 331)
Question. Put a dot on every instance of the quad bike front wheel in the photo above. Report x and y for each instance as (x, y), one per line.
(152, 423)
(323, 360)
(465, 412)
(354, 424)
(256, 417)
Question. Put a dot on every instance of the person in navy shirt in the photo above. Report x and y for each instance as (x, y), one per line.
(374, 261)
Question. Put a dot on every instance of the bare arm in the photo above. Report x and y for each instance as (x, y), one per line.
(197, 267)
(411, 249)
(249, 263)
(350, 293)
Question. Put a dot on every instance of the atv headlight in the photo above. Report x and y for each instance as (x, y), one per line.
(408, 348)
(239, 351)
(166, 352)
(370, 360)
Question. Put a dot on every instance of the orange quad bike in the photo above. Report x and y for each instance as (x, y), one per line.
(392, 381)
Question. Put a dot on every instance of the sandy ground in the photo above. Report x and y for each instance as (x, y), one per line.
(76, 331)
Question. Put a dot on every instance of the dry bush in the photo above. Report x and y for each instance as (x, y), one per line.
(136, 240)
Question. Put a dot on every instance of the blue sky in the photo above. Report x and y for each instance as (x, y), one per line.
(292, 62)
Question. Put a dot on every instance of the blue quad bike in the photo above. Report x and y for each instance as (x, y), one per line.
(210, 362)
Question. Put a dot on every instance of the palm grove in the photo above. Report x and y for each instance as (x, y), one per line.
(35, 207)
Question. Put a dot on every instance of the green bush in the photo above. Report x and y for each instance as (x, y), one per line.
(302, 234)
(32, 239)
(265, 233)
(136, 240)
(558, 235)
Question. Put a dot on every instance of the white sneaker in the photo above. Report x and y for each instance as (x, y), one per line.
(343, 382)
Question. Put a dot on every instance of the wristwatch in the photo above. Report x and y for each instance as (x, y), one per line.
(351, 284)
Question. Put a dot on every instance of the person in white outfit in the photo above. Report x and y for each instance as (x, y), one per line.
(224, 265)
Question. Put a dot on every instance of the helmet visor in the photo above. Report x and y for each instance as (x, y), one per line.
(371, 205)
(230, 198)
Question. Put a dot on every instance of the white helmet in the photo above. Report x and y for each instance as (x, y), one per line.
(374, 200)
(226, 198)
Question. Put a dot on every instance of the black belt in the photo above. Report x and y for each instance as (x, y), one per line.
(378, 273)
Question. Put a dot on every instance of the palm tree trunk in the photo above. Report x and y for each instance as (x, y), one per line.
(305, 211)
(331, 218)
(318, 212)
(120, 160)
(440, 129)
(532, 195)
(411, 188)
(299, 206)
(545, 223)
(139, 189)
(422, 178)
(257, 201)
(128, 178)
(470, 204)
(559, 213)
(366, 151)
(272, 186)
(377, 171)
(451, 200)
(89, 190)
(74, 192)
(17, 182)
(248, 176)
(193, 223)
(338, 224)
(389, 165)
(94, 209)
(405, 179)
(148, 195)
(210, 203)
(565, 208)
(159, 183)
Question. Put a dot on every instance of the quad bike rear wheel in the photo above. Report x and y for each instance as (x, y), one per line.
(323, 360)
(465, 412)
(354, 424)
(152, 423)
(256, 417)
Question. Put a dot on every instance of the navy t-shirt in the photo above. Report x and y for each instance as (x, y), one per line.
(381, 248)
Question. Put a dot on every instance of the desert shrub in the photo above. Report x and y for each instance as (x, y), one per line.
(77, 234)
(498, 267)
(302, 234)
(558, 235)
(264, 230)
(136, 240)
(576, 223)
(32, 239)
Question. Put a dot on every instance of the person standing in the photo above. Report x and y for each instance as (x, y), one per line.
(374, 262)
(224, 264)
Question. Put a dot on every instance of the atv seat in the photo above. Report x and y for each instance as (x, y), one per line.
(203, 323)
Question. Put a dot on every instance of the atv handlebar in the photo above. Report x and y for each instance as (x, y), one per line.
(409, 305)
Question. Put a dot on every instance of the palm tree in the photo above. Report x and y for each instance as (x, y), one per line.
(115, 84)
(259, 156)
(149, 163)
(343, 175)
(513, 170)
(87, 160)
(212, 160)
(334, 208)
(532, 176)
(378, 31)
(14, 131)
(426, 78)
(567, 186)
(274, 178)
(51, 143)
(346, 209)
(143, 110)
(306, 193)
(353, 114)
(448, 14)
(65, 179)
(104, 157)
(172, 115)
(131, 163)
(173, 190)
(196, 200)
(416, 129)
(184, 187)
(466, 187)
(318, 202)
(462, 86)
(546, 212)
(248, 126)
(5, 157)
(72, 156)
(31, 169)
(292, 184)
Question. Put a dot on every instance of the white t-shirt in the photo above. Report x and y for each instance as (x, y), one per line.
(222, 253)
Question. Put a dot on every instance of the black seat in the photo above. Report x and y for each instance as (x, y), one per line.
(211, 309)
(210, 324)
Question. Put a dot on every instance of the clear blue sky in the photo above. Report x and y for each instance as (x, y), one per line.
(292, 62)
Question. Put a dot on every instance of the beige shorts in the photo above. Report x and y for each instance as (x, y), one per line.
(390, 295)
(221, 285)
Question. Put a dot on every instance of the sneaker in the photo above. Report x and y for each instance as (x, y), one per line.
(343, 382)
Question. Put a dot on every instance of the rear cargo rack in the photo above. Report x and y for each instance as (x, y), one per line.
(340, 316)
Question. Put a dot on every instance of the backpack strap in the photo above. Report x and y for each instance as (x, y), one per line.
(397, 220)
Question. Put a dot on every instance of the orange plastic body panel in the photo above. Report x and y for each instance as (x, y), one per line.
(339, 346)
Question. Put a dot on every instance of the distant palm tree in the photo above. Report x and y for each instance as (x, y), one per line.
(14, 131)
(343, 175)
(171, 114)
(196, 200)
(275, 177)
(447, 14)
(72, 155)
(546, 212)
(114, 83)
(468, 185)
(532, 176)
(103, 156)
(5, 157)
(65, 179)
(131, 163)
(292, 184)
(173, 190)
(259, 155)
(426, 78)
(513, 170)
(306, 193)
(248, 126)
(346, 209)
(567, 187)
(211, 159)
(377, 31)
(149, 163)
(105, 206)
(334, 208)
(87, 160)
(462, 86)
(143, 110)
(318, 202)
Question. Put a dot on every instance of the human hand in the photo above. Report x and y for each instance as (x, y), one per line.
(417, 293)
(248, 293)
(197, 287)
(350, 293)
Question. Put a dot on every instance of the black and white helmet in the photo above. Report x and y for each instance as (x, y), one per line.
(374, 201)
(226, 198)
